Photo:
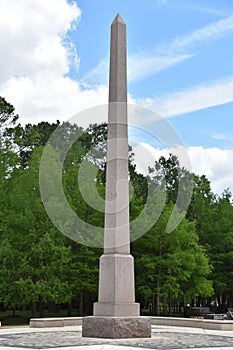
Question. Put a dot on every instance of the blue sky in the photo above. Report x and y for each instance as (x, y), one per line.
(180, 64)
(168, 30)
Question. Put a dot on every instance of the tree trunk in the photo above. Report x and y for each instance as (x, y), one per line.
(33, 309)
(153, 304)
(157, 302)
(80, 304)
(69, 309)
(13, 312)
(158, 280)
(41, 307)
(164, 305)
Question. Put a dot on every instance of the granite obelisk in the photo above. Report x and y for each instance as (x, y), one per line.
(116, 315)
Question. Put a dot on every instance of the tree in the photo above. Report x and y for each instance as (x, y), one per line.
(220, 242)
(167, 263)
(201, 208)
(33, 254)
(38, 264)
(7, 114)
(9, 163)
(52, 267)
(27, 138)
(8, 158)
(171, 177)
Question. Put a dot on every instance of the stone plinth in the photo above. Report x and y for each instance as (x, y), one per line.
(116, 287)
(116, 327)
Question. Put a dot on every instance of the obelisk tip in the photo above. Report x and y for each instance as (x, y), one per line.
(118, 19)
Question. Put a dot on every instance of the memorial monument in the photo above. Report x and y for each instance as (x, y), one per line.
(116, 315)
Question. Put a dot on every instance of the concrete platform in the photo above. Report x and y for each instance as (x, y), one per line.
(221, 325)
(70, 338)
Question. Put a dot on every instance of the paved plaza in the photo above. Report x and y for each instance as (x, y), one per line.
(69, 338)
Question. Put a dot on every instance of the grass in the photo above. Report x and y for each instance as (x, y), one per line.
(19, 319)
(22, 318)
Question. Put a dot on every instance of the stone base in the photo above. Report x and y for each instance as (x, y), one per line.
(116, 327)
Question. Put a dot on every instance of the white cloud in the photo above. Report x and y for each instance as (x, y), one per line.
(36, 55)
(142, 65)
(98, 74)
(198, 97)
(215, 163)
(165, 55)
(223, 137)
(208, 32)
(205, 9)
(32, 37)
(139, 67)
(58, 98)
(145, 155)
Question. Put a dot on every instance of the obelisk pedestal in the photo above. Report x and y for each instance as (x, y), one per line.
(116, 315)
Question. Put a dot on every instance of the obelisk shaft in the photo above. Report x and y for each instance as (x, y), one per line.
(116, 276)
(117, 235)
(118, 62)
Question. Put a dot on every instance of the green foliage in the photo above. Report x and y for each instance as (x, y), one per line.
(38, 264)
(7, 114)
(168, 262)
(29, 137)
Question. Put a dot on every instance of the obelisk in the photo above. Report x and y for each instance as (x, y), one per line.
(116, 315)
